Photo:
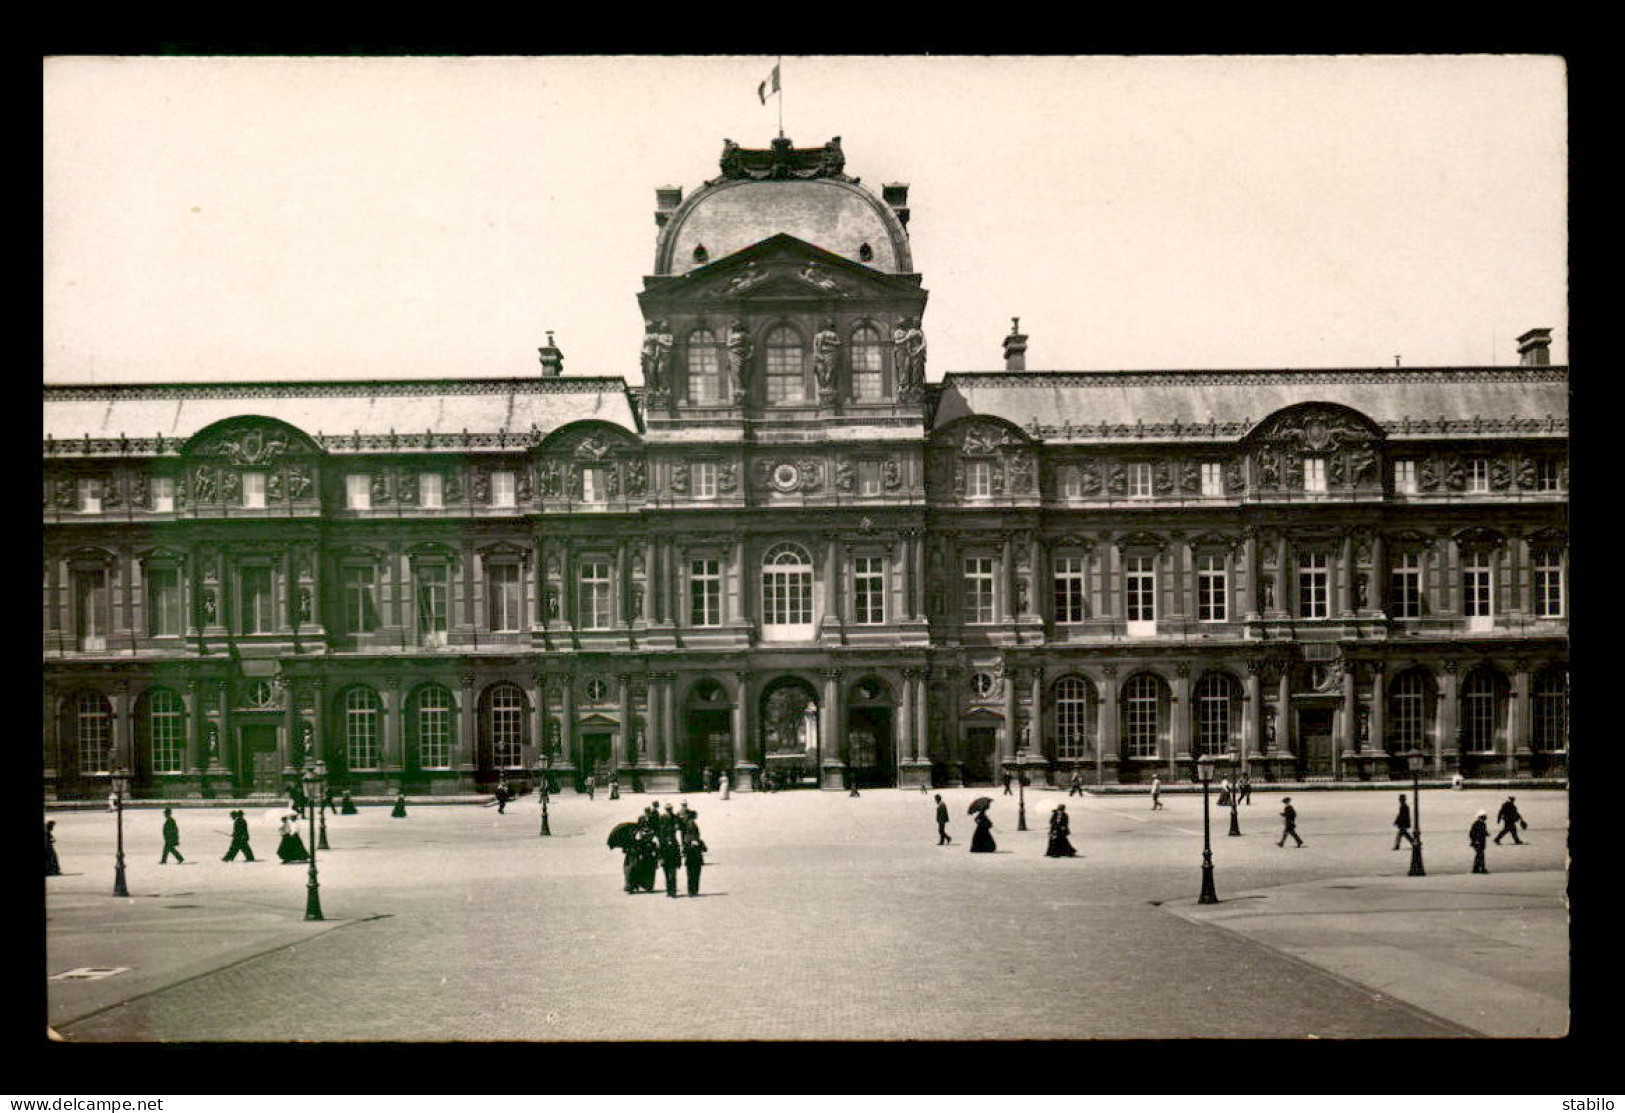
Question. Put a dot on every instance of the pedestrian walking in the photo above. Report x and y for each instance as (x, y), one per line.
(502, 797)
(172, 839)
(693, 856)
(239, 839)
(1478, 835)
(1402, 823)
(851, 785)
(725, 784)
(592, 784)
(1060, 846)
(670, 856)
(1156, 793)
(1224, 793)
(1509, 819)
(53, 868)
(982, 841)
(296, 797)
(1245, 792)
(943, 838)
(1076, 787)
(1007, 782)
(614, 787)
(1289, 822)
(399, 811)
(348, 803)
(290, 847)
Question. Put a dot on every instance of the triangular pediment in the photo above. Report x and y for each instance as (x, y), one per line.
(779, 268)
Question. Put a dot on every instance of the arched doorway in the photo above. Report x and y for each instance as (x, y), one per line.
(708, 745)
(789, 718)
(868, 746)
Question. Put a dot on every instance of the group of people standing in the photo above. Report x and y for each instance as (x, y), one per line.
(982, 842)
(664, 839)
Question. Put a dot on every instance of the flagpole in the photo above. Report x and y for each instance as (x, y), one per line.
(778, 69)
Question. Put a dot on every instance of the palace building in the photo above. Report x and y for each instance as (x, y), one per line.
(787, 556)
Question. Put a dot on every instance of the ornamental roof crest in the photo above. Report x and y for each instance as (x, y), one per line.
(782, 162)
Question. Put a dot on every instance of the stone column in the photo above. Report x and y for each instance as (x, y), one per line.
(1252, 725)
(1248, 598)
(290, 729)
(740, 608)
(654, 604)
(1446, 754)
(1006, 588)
(1035, 716)
(903, 730)
(1108, 752)
(121, 736)
(466, 758)
(1520, 722)
(745, 768)
(1379, 709)
(1377, 597)
(1284, 727)
(196, 758)
(1179, 712)
(670, 721)
(1351, 709)
(1012, 725)
(1343, 605)
(536, 694)
(564, 761)
(620, 747)
(831, 721)
(393, 757)
(922, 720)
(833, 585)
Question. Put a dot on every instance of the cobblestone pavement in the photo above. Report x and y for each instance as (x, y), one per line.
(821, 917)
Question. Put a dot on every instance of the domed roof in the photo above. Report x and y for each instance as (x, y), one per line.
(801, 192)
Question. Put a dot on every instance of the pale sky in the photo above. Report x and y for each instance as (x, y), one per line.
(260, 219)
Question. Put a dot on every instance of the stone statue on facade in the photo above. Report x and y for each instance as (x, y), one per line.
(656, 358)
(908, 357)
(739, 351)
(826, 353)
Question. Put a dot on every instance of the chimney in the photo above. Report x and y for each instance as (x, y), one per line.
(667, 198)
(1015, 347)
(552, 359)
(1534, 348)
(895, 194)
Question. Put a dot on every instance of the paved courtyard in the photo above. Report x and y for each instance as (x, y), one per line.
(821, 917)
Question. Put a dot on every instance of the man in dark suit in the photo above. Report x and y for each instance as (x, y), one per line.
(239, 839)
(670, 852)
(1289, 822)
(693, 854)
(1402, 823)
(1509, 819)
(172, 839)
(942, 823)
(1477, 836)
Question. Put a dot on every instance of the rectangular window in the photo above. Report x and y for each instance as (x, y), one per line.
(90, 496)
(1314, 475)
(360, 586)
(163, 494)
(432, 490)
(1549, 583)
(91, 607)
(705, 479)
(594, 488)
(167, 719)
(1546, 475)
(1140, 589)
(978, 478)
(434, 730)
(1212, 480)
(594, 613)
(254, 490)
(164, 603)
(1405, 477)
(1478, 475)
(1405, 586)
(1069, 590)
(502, 597)
(1211, 604)
(705, 592)
(978, 589)
(432, 597)
(1071, 481)
(1139, 481)
(1477, 598)
(502, 487)
(1314, 585)
(868, 591)
(358, 492)
(254, 614)
(868, 477)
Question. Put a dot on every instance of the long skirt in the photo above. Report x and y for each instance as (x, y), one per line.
(1060, 847)
(643, 874)
(982, 842)
(292, 849)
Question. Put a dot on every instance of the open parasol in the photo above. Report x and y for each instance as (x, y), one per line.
(620, 838)
(980, 804)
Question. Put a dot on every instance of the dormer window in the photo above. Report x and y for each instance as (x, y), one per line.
(90, 496)
(1314, 475)
(1139, 481)
(785, 361)
(254, 490)
(978, 479)
(163, 493)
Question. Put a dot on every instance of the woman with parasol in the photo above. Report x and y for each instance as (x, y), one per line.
(1060, 846)
(982, 842)
(624, 838)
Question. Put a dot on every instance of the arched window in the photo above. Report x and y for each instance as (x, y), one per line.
(1074, 718)
(361, 715)
(1407, 711)
(93, 732)
(867, 347)
(787, 588)
(1213, 714)
(166, 731)
(436, 725)
(704, 367)
(1478, 712)
(1142, 718)
(785, 364)
(506, 713)
(1551, 712)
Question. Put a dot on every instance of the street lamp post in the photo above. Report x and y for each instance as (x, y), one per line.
(1235, 792)
(1415, 758)
(121, 784)
(314, 779)
(543, 764)
(1205, 763)
(1021, 788)
(321, 805)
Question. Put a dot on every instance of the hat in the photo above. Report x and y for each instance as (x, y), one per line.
(1482, 814)
(1286, 799)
